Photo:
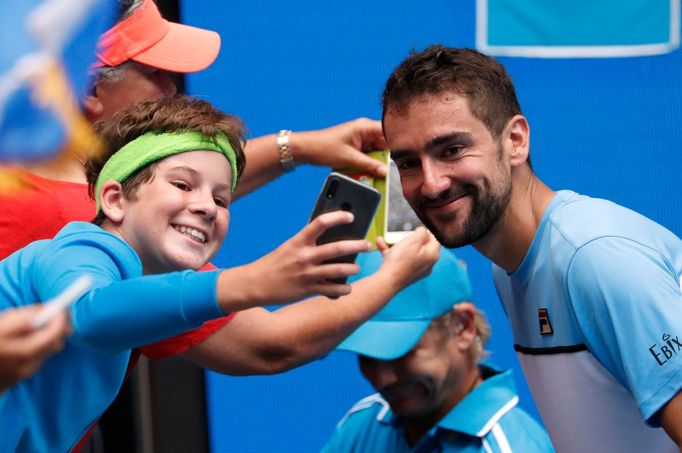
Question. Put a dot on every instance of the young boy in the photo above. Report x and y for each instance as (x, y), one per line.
(162, 191)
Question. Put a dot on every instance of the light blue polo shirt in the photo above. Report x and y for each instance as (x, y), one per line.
(486, 420)
(596, 312)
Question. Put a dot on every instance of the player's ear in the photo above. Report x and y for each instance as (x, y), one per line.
(517, 133)
(112, 201)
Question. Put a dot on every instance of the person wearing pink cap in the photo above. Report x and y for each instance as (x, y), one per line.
(133, 63)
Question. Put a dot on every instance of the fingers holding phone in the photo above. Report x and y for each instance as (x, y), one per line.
(321, 257)
(412, 257)
(301, 267)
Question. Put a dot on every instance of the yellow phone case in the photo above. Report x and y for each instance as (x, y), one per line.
(378, 227)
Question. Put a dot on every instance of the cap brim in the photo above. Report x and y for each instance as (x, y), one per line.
(183, 49)
(385, 340)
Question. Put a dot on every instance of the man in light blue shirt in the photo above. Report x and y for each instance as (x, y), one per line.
(591, 288)
(421, 353)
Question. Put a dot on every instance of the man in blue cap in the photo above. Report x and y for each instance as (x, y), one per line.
(421, 353)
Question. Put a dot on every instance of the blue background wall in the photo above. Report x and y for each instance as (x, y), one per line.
(604, 127)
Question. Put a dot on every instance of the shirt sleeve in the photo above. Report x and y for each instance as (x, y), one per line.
(628, 303)
(119, 312)
(178, 344)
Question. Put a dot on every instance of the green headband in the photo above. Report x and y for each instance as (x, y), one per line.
(153, 146)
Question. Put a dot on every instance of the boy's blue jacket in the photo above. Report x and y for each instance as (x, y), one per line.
(52, 409)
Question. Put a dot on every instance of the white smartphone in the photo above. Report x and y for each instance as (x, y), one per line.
(400, 218)
(340, 192)
(61, 302)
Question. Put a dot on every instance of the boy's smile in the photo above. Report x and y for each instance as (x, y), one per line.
(178, 220)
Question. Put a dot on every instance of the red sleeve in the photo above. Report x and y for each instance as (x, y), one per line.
(180, 343)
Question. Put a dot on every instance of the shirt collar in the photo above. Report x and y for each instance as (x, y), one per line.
(480, 410)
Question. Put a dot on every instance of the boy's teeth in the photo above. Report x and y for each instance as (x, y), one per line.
(192, 233)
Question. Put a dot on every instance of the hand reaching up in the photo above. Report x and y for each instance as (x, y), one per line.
(342, 146)
(410, 259)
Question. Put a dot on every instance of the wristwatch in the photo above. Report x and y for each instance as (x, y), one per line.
(286, 155)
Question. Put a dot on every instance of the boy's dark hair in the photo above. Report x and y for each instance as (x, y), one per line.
(179, 113)
(437, 69)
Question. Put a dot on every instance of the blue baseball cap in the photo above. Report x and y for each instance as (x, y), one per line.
(395, 330)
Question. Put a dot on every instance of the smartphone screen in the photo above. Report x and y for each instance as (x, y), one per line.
(401, 219)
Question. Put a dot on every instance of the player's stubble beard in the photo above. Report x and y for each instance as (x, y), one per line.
(488, 203)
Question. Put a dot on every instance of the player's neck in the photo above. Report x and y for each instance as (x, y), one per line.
(510, 238)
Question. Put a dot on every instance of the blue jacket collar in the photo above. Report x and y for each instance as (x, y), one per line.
(478, 412)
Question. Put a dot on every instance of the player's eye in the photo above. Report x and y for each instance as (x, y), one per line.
(406, 164)
(452, 150)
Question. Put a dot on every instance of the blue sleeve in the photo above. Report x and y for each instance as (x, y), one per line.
(121, 312)
(628, 303)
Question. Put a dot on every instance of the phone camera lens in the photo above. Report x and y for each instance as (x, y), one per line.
(332, 189)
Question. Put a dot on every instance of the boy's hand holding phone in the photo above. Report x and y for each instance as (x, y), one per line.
(317, 260)
(300, 267)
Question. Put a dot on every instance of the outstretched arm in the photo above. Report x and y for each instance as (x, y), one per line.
(257, 341)
(341, 146)
(159, 306)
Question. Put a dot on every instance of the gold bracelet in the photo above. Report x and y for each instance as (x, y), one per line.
(286, 155)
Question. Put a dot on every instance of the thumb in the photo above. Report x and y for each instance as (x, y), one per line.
(382, 245)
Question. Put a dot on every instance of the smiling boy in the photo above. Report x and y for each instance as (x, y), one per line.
(163, 190)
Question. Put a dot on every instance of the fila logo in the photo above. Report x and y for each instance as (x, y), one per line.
(545, 324)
